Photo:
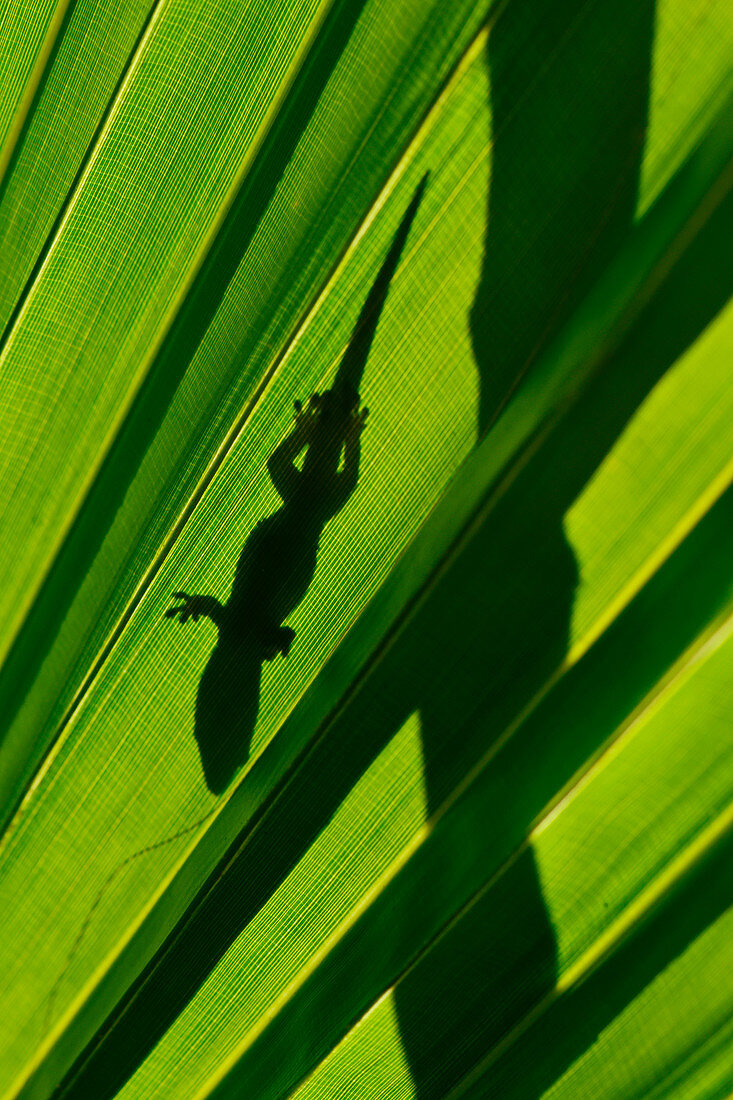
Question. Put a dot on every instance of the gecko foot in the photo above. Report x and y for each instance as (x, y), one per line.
(277, 640)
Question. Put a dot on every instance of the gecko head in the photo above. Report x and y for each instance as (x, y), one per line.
(335, 409)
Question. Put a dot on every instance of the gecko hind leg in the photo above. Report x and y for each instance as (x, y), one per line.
(277, 640)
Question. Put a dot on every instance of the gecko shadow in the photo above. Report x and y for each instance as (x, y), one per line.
(278, 561)
(274, 571)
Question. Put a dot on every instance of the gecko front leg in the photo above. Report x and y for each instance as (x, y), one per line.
(196, 607)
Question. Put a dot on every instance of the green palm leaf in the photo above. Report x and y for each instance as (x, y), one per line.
(472, 836)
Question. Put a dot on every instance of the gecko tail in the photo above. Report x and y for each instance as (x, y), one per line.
(351, 369)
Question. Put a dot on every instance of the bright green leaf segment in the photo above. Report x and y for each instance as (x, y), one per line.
(691, 77)
(384, 812)
(472, 837)
(89, 59)
(28, 31)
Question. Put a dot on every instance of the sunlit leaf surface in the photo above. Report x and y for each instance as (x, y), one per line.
(471, 836)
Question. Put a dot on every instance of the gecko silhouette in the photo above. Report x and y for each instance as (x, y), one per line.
(278, 561)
